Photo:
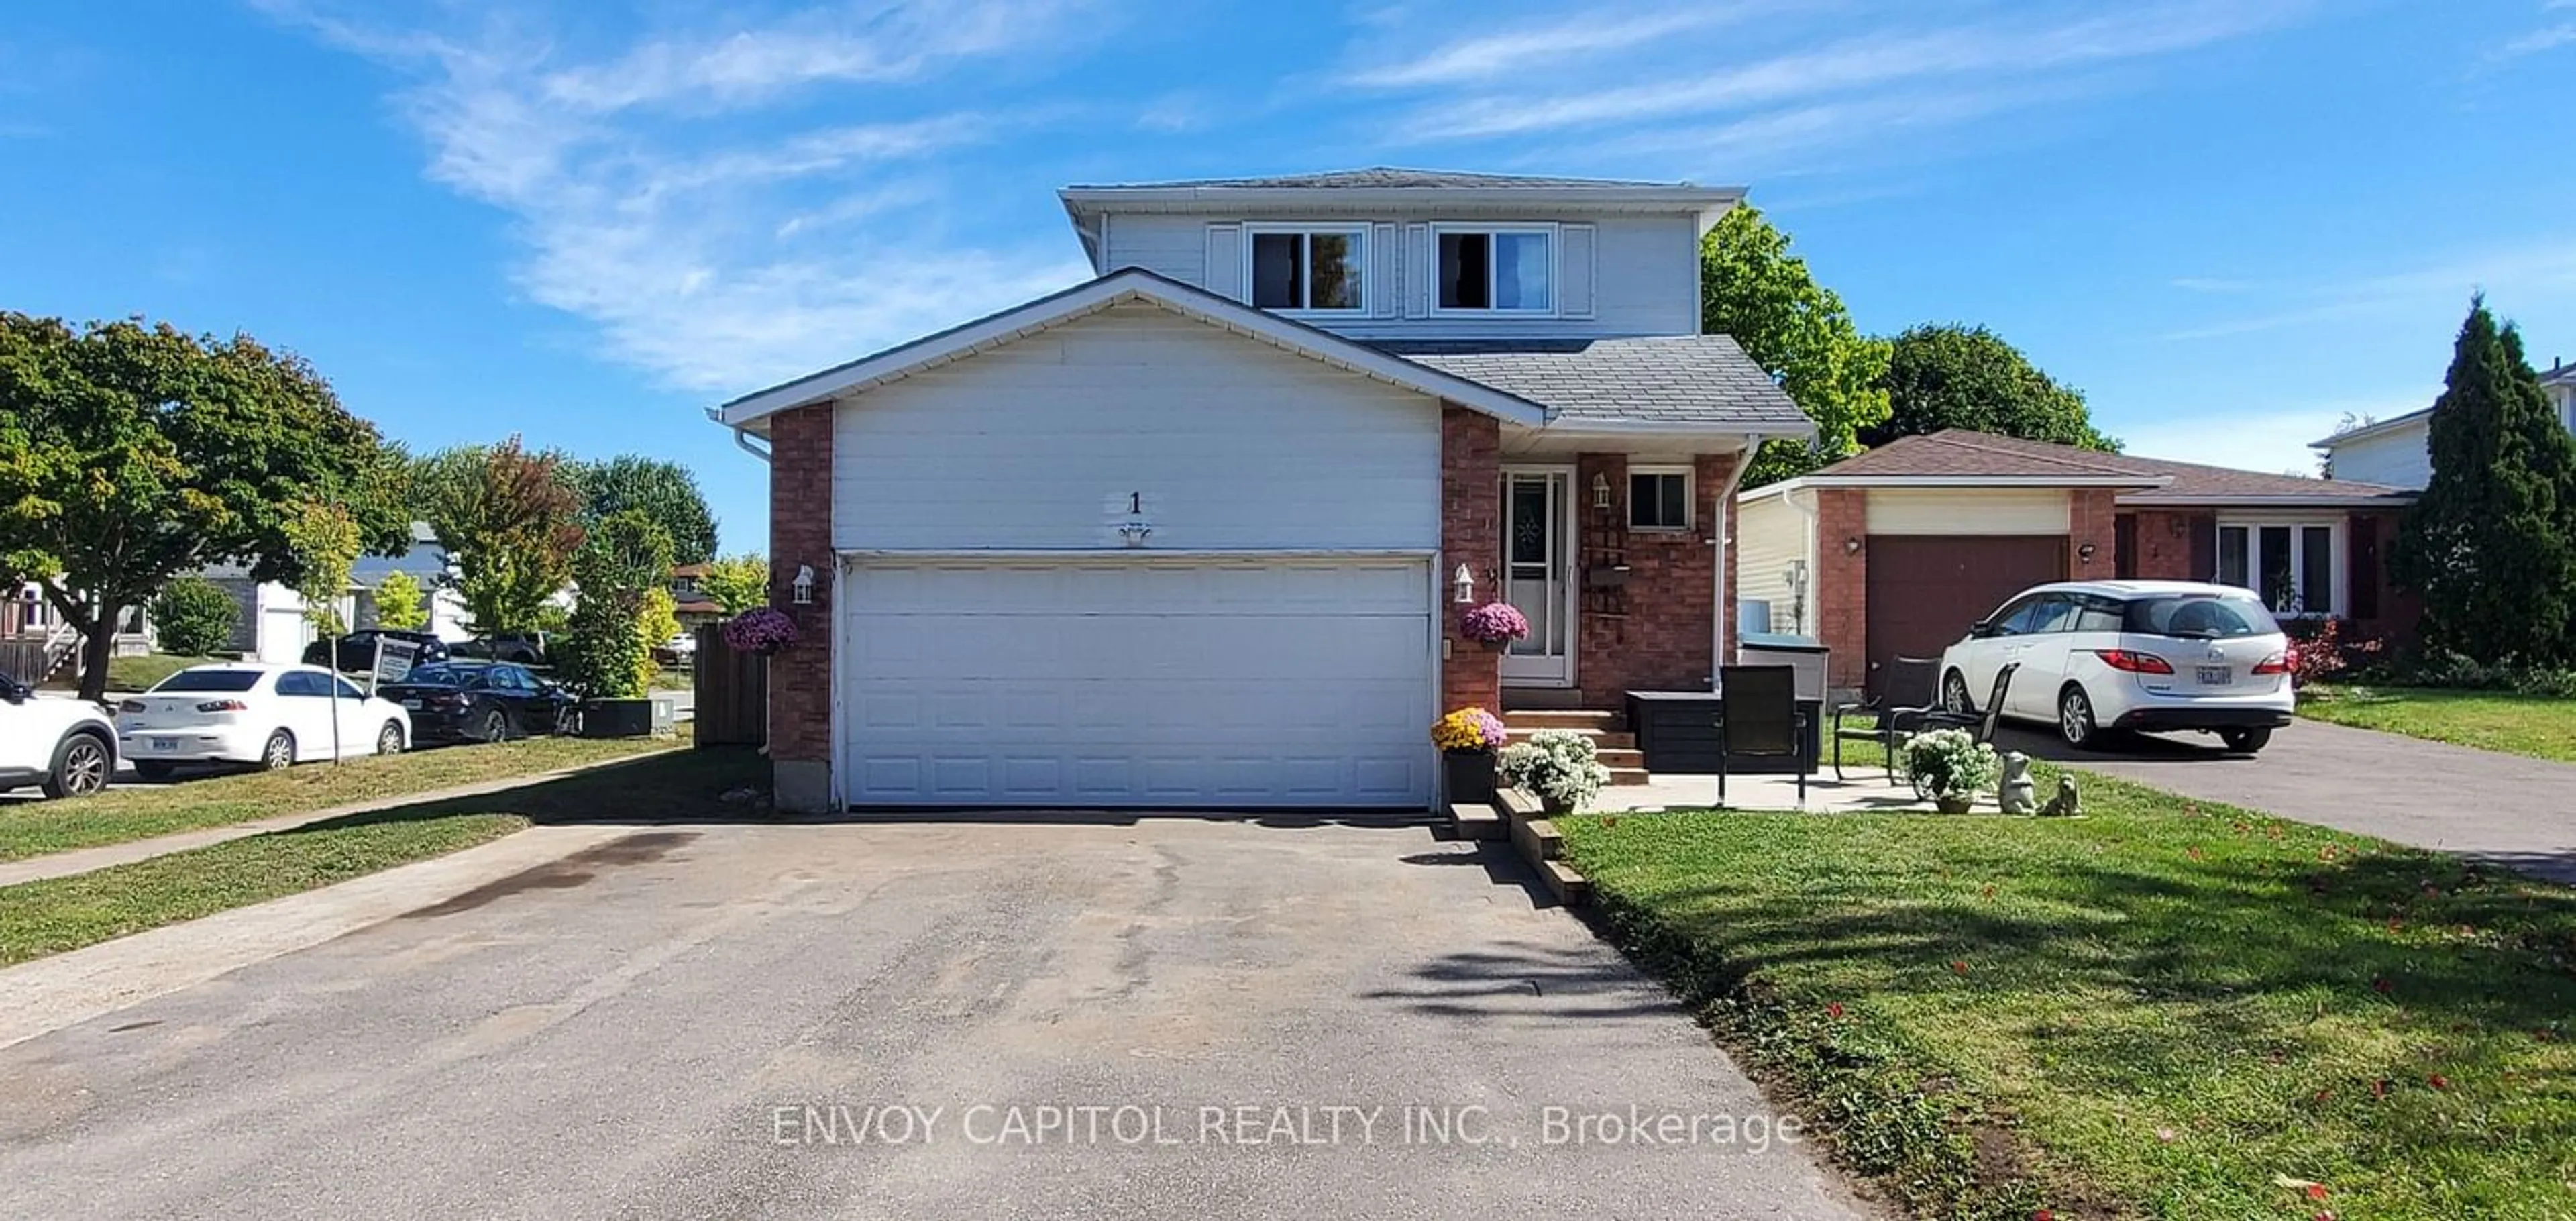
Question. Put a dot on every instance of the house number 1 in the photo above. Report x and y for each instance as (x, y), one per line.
(1135, 504)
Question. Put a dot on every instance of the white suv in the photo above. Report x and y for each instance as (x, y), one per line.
(66, 747)
(2119, 655)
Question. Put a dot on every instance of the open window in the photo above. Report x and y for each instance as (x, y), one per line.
(1309, 269)
(1496, 270)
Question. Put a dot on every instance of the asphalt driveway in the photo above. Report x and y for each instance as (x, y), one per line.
(1268, 1019)
(2503, 808)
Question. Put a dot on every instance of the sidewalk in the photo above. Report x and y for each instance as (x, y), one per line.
(84, 860)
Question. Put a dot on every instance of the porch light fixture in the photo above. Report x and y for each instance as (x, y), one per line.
(801, 590)
(2084, 554)
(1600, 491)
(1851, 545)
(1463, 586)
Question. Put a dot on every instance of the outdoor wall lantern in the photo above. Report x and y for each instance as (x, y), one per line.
(2084, 554)
(802, 588)
(1851, 545)
(1600, 491)
(1463, 586)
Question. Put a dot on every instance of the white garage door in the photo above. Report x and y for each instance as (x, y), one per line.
(1133, 681)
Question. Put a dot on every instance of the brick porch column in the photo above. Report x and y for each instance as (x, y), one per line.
(1842, 585)
(800, 676)
(2092, 519)
(1471, 533)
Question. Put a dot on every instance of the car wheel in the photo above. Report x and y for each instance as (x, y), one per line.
(496, 727)
(2075, 719)
(278, 753)
(2246, 740)
(81, 766)
(1954, 695)
(389, 740)
(151, 770)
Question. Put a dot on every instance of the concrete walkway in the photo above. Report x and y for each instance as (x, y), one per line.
(83, 860)
(2506, 809)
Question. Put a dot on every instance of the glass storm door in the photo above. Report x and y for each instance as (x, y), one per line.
(1538, 569)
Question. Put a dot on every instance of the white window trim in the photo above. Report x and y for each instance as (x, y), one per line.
(1553, 232)
(1690, 499)
(2338, 565)
(1357, 231)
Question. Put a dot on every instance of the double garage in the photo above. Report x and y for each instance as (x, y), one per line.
(1137, 680)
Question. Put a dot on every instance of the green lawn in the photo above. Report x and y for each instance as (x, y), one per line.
(2543, 727)
(59, 914)
(33, 828)
(141, 672)
(2166, 1009)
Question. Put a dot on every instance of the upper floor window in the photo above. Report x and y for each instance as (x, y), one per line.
(1497, 270)
(1308, 268)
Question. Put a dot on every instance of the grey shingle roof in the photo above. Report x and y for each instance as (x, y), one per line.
(1960, 453)
(2562, 375)
(1382, 176)
(1688, 380)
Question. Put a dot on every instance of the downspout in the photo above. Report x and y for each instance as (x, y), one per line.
(1807, 527)
(1717, 570)
(741, 435)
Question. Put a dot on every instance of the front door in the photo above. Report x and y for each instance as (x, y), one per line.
(1538, 570)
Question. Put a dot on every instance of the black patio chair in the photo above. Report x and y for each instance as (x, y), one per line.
(1758, 717)
(1980, 725)
(1883, 717)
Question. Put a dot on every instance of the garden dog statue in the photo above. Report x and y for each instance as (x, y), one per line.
(2020, 795)
(2067, 804)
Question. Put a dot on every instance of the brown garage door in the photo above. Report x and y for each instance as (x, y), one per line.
(1925, 589)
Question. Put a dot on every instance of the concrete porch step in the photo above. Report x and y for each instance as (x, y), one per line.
(1603, 740)
(1627, 776)
(1561, 718)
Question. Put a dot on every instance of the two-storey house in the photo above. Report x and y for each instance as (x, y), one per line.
(2398, 451)
(1200, 532)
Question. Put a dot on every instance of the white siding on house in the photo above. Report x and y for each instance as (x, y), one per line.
(2401, 457)
(1227, 443)
(1619, 275)
(1771, 535)
(1966, 511)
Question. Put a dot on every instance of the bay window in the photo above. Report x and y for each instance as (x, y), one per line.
(2290, 565)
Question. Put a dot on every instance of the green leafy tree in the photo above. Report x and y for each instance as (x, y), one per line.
(661, 619)
(324, 539)
(737, 583)
(664, 491)
(193, 617)
(511, 521)
(399, 604)
(1951, 376)
(2491, 542)
(131, 453)
(625, 557)
(1753, 289)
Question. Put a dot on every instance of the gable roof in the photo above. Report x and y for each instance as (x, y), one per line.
(1376, 176)
(2558, 375)
(1092, 296)
(1962, 458)
(1614, 385)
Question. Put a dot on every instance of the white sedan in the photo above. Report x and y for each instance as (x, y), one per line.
(2091, 656)
(266, 715)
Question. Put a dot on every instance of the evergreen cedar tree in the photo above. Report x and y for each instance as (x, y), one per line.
(2491, 542)
(132, 452)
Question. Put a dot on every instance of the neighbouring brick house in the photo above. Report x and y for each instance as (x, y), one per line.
(690, 604)
(1895, 552)
(1199, 532)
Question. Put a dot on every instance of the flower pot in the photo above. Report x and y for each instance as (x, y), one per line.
(1954, 803)
(1467, 776)
(1556, 807)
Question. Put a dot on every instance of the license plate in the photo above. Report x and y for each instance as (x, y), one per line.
(2216, 676)
(414, 705)
(161, 744)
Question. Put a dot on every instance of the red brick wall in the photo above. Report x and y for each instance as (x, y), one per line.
(1471, 533)
(2164, 544)
(2092, 516)
(800, 532)
(1654, 634)
(1842, 585)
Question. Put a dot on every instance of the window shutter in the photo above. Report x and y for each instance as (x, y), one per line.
(2361, 568)
(1386, 263)
(1225, 261)
(1417, 271)
(1574, 266)
(2204, 547)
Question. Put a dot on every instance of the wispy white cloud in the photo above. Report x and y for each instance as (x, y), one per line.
(2213, 284)
(1485, 58)
(2518, 275)
(720, 257)
(2546, 38)
(2258, 436)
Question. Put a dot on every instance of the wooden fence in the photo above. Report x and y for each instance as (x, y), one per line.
(732, 692)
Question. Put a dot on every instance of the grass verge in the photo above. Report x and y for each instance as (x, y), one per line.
(2167, 1009)
(33, 828)
(2543, 727)
(60, 914)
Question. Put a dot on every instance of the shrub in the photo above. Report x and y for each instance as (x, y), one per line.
(1558, 765)
(2446, 669)
(192, 617)
(1495, 621)
(1952, 763)
(398, 603)
(1469, 729)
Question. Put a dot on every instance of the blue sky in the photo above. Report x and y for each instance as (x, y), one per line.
(2229, 222)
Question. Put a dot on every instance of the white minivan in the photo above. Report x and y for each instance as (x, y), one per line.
(2130, 655)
